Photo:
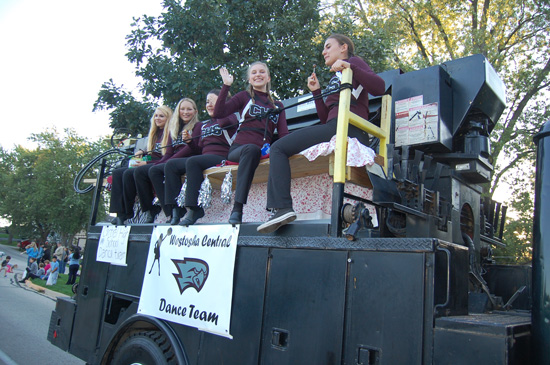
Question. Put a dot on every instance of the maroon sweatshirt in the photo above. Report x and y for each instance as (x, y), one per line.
(182, 149)
(252, 129)
(213, 140)
(362, 76)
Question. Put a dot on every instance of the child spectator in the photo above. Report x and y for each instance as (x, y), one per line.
(54, 272)
(31, 271)
(47, 266)
(41, 271)
(7, 267)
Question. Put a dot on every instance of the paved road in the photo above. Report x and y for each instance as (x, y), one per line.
(24, 321)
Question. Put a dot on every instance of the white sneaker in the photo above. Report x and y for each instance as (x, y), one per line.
(279, 218)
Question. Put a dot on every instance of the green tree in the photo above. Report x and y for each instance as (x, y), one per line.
(512, 34)
(38, 197)
(130, 114)
(178, 53)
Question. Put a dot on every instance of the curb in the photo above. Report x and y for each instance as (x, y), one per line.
(39, 289)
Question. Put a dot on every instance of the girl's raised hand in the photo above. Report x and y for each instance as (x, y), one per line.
(313, 82)
(226, 77)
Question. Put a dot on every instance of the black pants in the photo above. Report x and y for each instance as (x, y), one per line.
(123, 192)
(194, 166)
(174, 169)
(248, 157)
(144, 187)
(278, 184)
(73, 271)
(30, 275)
(156, 175)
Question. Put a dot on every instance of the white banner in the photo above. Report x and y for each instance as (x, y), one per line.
(189, 276)
(113, 245)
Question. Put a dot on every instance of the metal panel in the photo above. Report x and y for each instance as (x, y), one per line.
(61, 323)
(385, 309)
(304, 307)
(482, 339)
(89, 310)
(246, 313)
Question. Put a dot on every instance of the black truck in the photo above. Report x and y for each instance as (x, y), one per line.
(405, 276)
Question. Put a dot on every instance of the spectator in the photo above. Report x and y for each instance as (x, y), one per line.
(74, 265)
(7, 267)
(32, 251)
(31, 271)
(47, 266)
(40, 254)
(42, 271)
(65, 259)
(54, 272)
(60, 253)
(47, 252)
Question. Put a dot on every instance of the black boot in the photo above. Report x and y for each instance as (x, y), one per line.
(148, 217)
(177, 213)
(151, 214)
(236, 217)
(119, 219)
(193, 215)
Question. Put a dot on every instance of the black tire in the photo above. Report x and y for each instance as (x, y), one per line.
(145, 348)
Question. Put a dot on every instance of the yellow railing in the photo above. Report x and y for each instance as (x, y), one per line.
(345, 116)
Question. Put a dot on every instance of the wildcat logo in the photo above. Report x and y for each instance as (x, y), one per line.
(192, 273)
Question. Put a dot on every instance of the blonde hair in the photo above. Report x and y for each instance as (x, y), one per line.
(250, 89)
(154, 129)
(175, 121)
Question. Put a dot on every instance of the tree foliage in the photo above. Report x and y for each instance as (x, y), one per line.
(37, 195)
(512, 34)
(178, 53)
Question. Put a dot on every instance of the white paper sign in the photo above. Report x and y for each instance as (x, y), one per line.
(402, 110)
(189, 276)
(113, 245)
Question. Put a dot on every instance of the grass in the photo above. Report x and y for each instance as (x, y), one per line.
(60, 287)
(4, 239)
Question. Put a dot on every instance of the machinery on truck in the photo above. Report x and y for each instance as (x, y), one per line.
(405, 276)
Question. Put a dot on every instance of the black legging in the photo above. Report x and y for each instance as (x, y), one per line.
(174, 169)
(156, 175)
(195, 166)
(73, 270)
(144, 187)
(248, 157)
(278, 184)
(123, 192)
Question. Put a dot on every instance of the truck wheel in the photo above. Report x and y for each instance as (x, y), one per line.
(145, 348)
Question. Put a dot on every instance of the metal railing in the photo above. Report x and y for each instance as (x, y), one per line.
(345, 117)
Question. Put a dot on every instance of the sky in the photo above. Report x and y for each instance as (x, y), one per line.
(54, 57)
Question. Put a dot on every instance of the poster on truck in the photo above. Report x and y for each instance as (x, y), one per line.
(188, 278)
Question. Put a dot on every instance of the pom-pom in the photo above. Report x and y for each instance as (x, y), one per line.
(180, 199)
(227, 186)
(205, 194)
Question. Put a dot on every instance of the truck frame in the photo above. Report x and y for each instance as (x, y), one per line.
(418, 287)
